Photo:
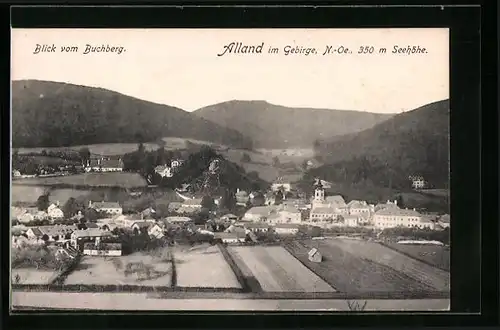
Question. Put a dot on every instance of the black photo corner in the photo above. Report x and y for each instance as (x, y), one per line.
(474, 200)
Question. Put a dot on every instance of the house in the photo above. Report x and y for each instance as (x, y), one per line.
(51, 233)
(320, 200)
(176, 164)
(230, 238)
(426, 222)
(270, 198)
(174, 206)
(140, 225)
(106, 207)
(156, 231)
(361, 208)
(88, 225)
(102, 249)
(286, 228)
(396, 217)
(386, 205)
(351, 220)
(298, 203)
(324, 214)
(148, 213)
(19, 242)
(314, 255)
(102, 164)
(16, 174)
(257, 227)
(229, 218)
(259, 213)
(242, 197)
(16, 212)
(178, 220)
(444, 221)
(193, 204)
(26, 217)
(417, 182)
(54, 212)
(88, 235)
(282, 184)
(289, 214)
(164, 171)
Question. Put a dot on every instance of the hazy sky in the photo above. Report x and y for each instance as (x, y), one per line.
(180, 67)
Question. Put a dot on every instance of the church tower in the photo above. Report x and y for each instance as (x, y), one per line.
(319, 194)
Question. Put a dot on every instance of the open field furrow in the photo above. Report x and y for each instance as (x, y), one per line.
(417, 270)
(348, 273)
(287, 282)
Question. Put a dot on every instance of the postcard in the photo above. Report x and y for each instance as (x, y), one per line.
(230, 169)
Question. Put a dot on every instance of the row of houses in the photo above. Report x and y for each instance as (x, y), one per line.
(26, 215)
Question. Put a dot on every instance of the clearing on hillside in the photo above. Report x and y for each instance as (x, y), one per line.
(111, 179)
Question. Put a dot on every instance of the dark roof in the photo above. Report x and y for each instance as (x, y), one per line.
(141, 224)
(37, 232)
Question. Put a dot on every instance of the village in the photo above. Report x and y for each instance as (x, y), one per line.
(280, 211)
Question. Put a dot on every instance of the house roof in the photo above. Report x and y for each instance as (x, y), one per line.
(357, 204)
(337, 199)
(161, 168)
(223, 235)
(192, 201)
(16, 211)
(106, 163)
(141, 224)
(91, 232)
(37, 232)
(54, 230)
(288, 208)
(107, 246)
(324, 210)
(91, 225)
(241, 193)
(445, 218)
(105, 205)
(287, 225)
(229, 215)
(261, 210)
(256, 225)
(398, 212)
(178, 219)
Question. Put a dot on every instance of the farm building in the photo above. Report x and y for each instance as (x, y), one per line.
(88, 235)
(104, 165)
(395, 217)
(178, 220)
(314, 255)
(229, 218)
(106, 207)
(242, 197)
(229, 238)
(257, 227)
(286, 228)
(259, 213)
(102, 249)
(51, 233)
(444, 221)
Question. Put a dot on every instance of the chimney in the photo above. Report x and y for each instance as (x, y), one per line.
(90, 204)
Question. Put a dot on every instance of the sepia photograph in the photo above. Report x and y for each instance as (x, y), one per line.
(230, 170)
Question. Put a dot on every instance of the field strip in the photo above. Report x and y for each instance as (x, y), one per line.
(131, 302)
(413, 268)
(260, 271)
(309, 280)
(287, 282)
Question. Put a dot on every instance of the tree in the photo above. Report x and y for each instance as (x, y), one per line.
(84, 154)
(207, 202)
(91, 215)
(278, 198)
(71, 207)
(245, 158)
(276, 161)
(43, 202)
(400, 201)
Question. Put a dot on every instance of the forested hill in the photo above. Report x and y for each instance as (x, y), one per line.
(412, 143)
(51, 114)
(275, 126)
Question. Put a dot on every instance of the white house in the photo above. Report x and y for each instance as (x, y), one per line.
(53, 233)
(396, 217)
(417, 182)
(193, 204)
(286, 228)
(176, 163)
(259, 213)
(257, 227)
(241, 197)
(155, 231)
(282, 184)
(88, 235)
(444, 221)
(229, 238)
(164, 171)
(104, 165)
(54, 211)
(351, 220)
(178, 220)
(111, 208)
(102, 249)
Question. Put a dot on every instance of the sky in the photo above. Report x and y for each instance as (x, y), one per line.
(180, 67)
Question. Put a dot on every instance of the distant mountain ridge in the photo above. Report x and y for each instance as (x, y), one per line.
(52, 114)
(275, 126)
(410, 143)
